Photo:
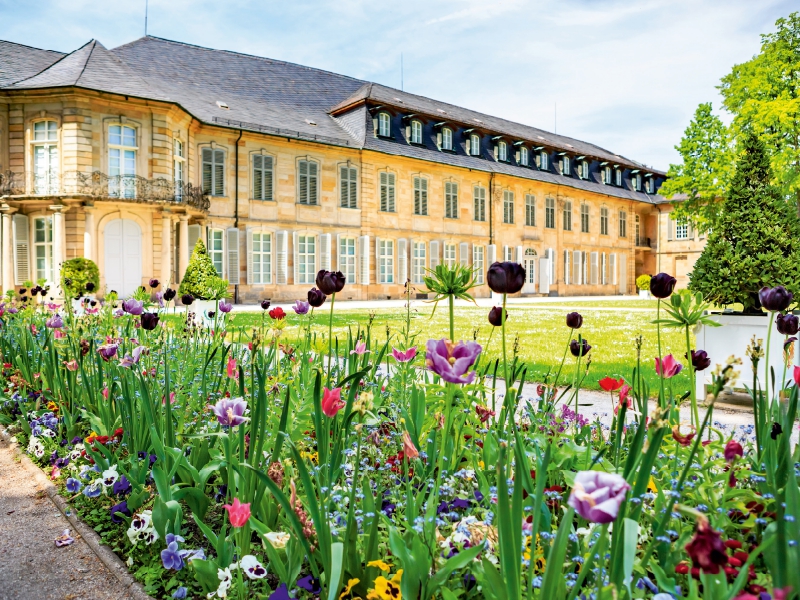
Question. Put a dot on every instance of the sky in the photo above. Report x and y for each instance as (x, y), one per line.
(624, 74)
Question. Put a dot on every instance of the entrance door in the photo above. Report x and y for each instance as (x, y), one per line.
(529, 262)
(623, 273)
(123, 257)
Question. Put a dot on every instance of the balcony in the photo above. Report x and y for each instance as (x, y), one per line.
(644, 243)
(99, 186)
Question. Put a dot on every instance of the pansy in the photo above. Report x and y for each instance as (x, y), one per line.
(110, 476)
(252, 568)
(73, 485)
(94, 489)
(278, 539)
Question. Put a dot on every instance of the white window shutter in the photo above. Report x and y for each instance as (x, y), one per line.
(325, 251)
(281, 257)
(434, 258)
(491, 255)
(612, 261)
(249, 251)
(463, 252)
(566, 267)
(603, 269)
(232, 243)
(22, 251)
(593, 268)
(402, 261)
(520, 254)
(295, 258)
(194, 235)
(544, 275)
(363, 259)
(670, 228)
(576, 266)
(339, 253)
(377, 259)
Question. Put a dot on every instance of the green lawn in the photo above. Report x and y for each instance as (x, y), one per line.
(540, 329)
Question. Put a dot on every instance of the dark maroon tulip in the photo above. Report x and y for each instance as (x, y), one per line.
(661, 285)
(505, 277)
(787, 324)
(265, 304)
(316, 298)
(775, 299)
(700, 360)
(89, 286)
(330, 282)
(574, 320)
(154, 283)
(707, 550)
(25, 290)
(581, 349)
(23, 299)
(34, 291)
(496, 316)
(776, 431)
(733, 450)
(187, 299)
(149, 321)
(169, 294)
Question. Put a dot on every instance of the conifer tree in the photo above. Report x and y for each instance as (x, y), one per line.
(200, 273)
(755, 241)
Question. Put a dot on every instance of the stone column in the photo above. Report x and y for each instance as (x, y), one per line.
(166, 248)
(89, 233)
(8, 247)
(183, 255)
(59, 245)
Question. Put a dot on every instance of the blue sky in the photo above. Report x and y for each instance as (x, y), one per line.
(626, 75)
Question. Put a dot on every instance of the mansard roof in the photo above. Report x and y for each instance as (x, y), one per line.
(241, 91)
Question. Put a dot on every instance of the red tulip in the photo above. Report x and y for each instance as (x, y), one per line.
(707, 549)
(610, 384)
(238, 513)
(733, 450)
(332, 402)
(684, 439)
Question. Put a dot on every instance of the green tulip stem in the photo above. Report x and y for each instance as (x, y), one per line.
(692, 383)
(451, 301)
(330, 336)
(505, 357)
(662, 399)
(766, 366)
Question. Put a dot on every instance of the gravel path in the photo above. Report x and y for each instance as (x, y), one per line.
(31, 567)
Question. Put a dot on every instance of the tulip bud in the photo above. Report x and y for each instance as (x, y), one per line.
(574, 320)
(505, 277)
(496, 316)
(316, 298)
(775, 299)
(787, 324)
(330, 282)
(700, 360)
(661, 285)
(154, 283)
(187, 299)
(265, 304)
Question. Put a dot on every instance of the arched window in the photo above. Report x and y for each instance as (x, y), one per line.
(416, 132)
(523, 156)
(502, 151)
(447, 138)
(544, 161)
(475, 144)
(384, 124)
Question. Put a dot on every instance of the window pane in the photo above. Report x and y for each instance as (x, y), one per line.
(115, 135)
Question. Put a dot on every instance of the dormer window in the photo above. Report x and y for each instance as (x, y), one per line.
(618, 176)
(447, 138)
(607, 175)
(502, 151)
(523, 156)
(544, 161)
(565, 166)
(416, 132)
(650, 185)
(475, 144)
(584, 169)
(636, 182)
(384, 124)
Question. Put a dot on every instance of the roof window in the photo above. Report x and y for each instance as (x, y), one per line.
(223, 105)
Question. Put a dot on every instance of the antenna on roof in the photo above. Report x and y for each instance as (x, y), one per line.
(145, 17)
(401, 72)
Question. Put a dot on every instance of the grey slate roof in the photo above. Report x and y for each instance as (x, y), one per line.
(18, 61)
(281, 98)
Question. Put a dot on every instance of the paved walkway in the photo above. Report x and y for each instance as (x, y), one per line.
(31, 567)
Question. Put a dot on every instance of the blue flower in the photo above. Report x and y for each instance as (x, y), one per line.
(121, 486)
(282, 593)
(180, 593)
(171, 557)
(309, 584)
(73, 485)
(93, 490)
(118, 509)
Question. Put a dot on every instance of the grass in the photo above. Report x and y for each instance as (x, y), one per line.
(538, 332)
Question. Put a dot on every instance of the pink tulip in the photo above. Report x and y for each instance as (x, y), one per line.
(403, 356)
(797, 376)
(361, 348)
(58, 334)
(332, 402)
(105, 393)
(171, 399)
(72, 365)
(409, 449)
(671, 367)
(232, 372)
(238, 513)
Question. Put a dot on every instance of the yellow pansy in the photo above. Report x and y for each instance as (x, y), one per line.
(350, 585)
(380, 564)
(651, 485)
(386, 589)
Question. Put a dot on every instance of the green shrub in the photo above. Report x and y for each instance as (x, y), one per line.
(643, 282)
(753, 241)
(79, 272)
(200, 279)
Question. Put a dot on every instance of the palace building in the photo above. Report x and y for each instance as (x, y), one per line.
(129, 156)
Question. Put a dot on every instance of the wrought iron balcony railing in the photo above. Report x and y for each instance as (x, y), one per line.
(97, 185)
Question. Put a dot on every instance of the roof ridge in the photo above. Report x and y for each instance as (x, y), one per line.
(64, 57)
(35, 48)
(243, 54)
(94, 43)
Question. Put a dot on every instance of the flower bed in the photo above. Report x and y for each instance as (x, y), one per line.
(381, 468)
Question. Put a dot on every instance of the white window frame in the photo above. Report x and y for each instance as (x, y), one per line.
(178, 167)
(565, 165)
(416, 132)
(261, 258)
(479, 202)
(46, 174)
(530, 210)
(265, 174)
(385, 261)
(309, 199)
(420, 185)
(450, 254)
(127, 156)
(550, 213)
(603, 220)
(523, 156)
(566, 267)
(607, 175)
(508, 207)
(216, 171)
(447, 138)
(419, 254)
(584, 169)
(217, 255)
(566, 216)
(585, 218)
(388, 191)
(637, 230)
(636, 182)
(46, 247)
(384, 124)
(623, 224)
(618, 177)
(502, 151)
(306, 267)
(681, 230)
(346, 253)
(348, 186)
(478, 253)
(450, 200)
(544, 161)
(475, 144)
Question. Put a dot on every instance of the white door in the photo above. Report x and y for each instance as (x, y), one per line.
(623, 274)
(123, 257)
(530, 274)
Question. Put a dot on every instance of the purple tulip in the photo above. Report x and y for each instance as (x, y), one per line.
(89, 287)
(496, 316)
(265, 304)
(700, 360)
(230, 411)
(316, 297)
(149, 321)
(56, 322)
(451, 361)
(301, 307)
(581, 349)
(187, 299)
(330, 282)
(133, 307)
(775, 299)
(154, 283)
(225, 307)
(661, 285)
(597, 496)
(108, 351)
(574, 320)
(505, 277)
(787, 324)
(169, 294)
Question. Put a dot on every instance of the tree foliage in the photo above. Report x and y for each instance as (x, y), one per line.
(754, 239)
(201, 277)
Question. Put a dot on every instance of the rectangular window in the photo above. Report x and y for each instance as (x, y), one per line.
(544, 161)
(479, 197)
(122, 161)
(585, 170)
(637, 239)
(603, 269)
(43, 248)
(550, 213)
(178, 168)
(308, 188)
(215, 249)
(607, 175)
(262, 177)
(306, 258)
(502, 151)
(386, 261)
(523, 156)
(604, 221)
(262, 257)
(565, 166)
(450, 200)
(530, 210)
(213, 171)
(618, 176)
(567, 216)
(384, 125)
(623, 224)
(416, 132)
(477, 263)
(447, 139)
(508, 207)
(584, 218)
(347, 258)
(45, 168)
(387, 192)
(681, 230)
(420, 196)
(348, 187)
(450, 255)
(475, 145)
(418, 263)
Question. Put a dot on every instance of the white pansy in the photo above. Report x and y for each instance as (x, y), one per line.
(36, 447)
(110, 476)
(278, 539)
(252, 568)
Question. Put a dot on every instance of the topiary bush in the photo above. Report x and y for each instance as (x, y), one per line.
(754, 239)
(643, 282)
(78, 272)
(201, 277)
